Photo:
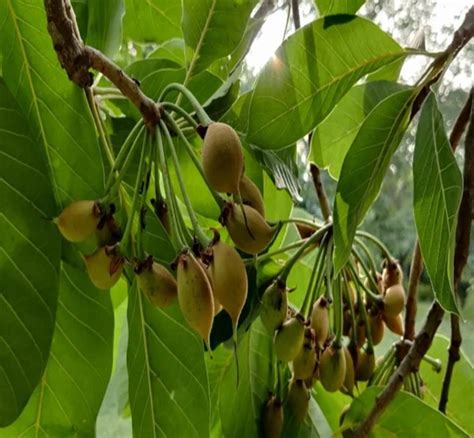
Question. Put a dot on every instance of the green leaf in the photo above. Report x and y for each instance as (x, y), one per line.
(174, 50)
(310, 73)
(104, 31)
(459, 408)
(333, 137)
(152, 20)
(56, 108)
(68, 398)
(332, 7)
(406, 415)
(168, 386)
(30, 251)
(437, 186)
(332, 404)
(364, 168)
(213, 29)
(240, 406)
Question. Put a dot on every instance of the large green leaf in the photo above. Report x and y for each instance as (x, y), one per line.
(437, 184)
(333, 137)
(29, 261)
(240, 406)
(56, 108)
(364, 168)
(213, 29)
(152, 20)
(314, 425)
(459, 406)
(406, 415)
(104, 31)
(68, 398)
(332, 7)
(310, 73)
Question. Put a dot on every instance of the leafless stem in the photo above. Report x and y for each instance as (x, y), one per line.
(77, 59)
(322, 197)
(462, 235)
(296, 13)
(411, 305)
(423, 340)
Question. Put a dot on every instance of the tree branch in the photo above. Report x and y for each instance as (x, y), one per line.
(322, 197)
(462, 235)
(296, 14)
(423, 340)
(77, 59)
(416, 269)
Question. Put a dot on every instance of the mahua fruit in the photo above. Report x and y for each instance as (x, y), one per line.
(298, 399)
(250, 194)
(274, 306)
(393, 300)
(289, 339)
(157, 283)
(79, 220)
(332, 368)
(272, 418)
(104, 267)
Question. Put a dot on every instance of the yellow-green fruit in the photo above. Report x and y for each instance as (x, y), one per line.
(250, 194)
(360, 332)
(274, 306)
(289, 339)
(104, 267)
(305, 362)
(332, 368)
(298, 399)
(79, 220)
(222, 158)
(195, 295)
(229, 279)
(217, 305)
(394, 324)
(391, 274)
(320, 320)
(260, 233)
(158, 284)
(365, 366)
(272, 418)
(393, 300)
(349, 378)
(376, 328)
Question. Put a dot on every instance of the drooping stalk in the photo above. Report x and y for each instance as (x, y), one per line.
(338, 314)
(358, 280)
(182, 112)
(351, 308)
(136, 194)
(199, 233)
(201, 114)
(377, 242)
(294, 220)
(328, 276)
(312, 280)
(194, 158)
(363, 312)
(368, 255)
(281, 250)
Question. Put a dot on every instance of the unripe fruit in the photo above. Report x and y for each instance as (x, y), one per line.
(305, 231)
(349, 377)
(274, 306)
(391, 274)
(104, 267)
(376, 328)
(217, 305)
(158, 284)
(252, 236)
(79, 220)
(272, 418)
(393, 300)
(394, 324)
(365, 366)
(305, 362)
(289, 339)
(229, 279)
(250, 194)
(332, 368)
(195, 295)
(298, 399)
(320, 320)
(222, 158)
(360, 332)
(108, 232)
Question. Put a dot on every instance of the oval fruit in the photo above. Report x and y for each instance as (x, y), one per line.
(272, 418)
(251, 236)
(332, 368)
(391, 274)
(394, 324)
(274, 306)
(305, 362)
(250, 194)
(104, 267)
(222, 158)
(229, 279)
(394, 300)
(349, 377)
(320, 320)
(195, 295)
(376, 328)
(365, 366)
(298, 399)
(79, 220)
(289, 339)
(158, 284)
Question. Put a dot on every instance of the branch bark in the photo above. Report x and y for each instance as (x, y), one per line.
(462, 235)
(77, 59)
(423, 340)
(416, 269)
